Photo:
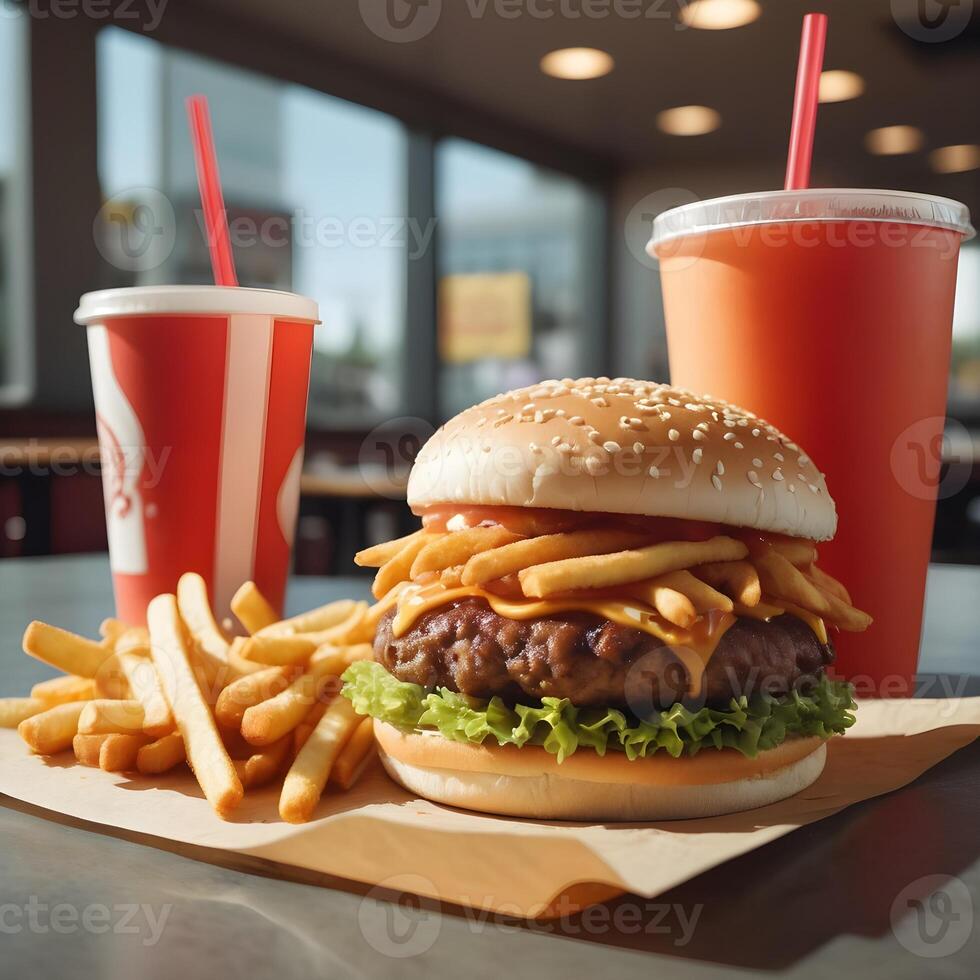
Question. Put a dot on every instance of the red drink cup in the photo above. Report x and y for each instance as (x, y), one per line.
(829, 313)
(200, 399)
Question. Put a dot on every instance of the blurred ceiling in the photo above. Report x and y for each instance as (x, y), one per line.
(485, 53)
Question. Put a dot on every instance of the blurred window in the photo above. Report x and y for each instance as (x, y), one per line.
(315, 192)
(520, 274)
(15, 206)
(964, 388)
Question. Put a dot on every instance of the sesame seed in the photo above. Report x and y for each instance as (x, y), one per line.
(754, 479)
(555, 440)
(481, 422)
(703, 426)
(612, 447)
(600, 402)
(673, 435)
(534, 447)
(529, 407)
(757, 462)
(720, 467)
(664, 415)
(738, 445)
(595, 436)
(715, 482)
(654, 472)
(674, 402)
(803, 460)
(593, 465)
(813, 488)
(539, 416)
(577, 420)
(699, 435)
(779, 456)
(548, 413)
(791, 487)
(777, 474)
(697, 454)
(638, 447)
(729, 436)
(756, 433)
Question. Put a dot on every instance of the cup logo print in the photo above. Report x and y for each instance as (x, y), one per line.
(638, 226)
(388, 452)
(287, 500)
(933, 916)
(918, 455)
(400, 21)
(932, 21)
(403, 928)
(136, 230)
(123, 450)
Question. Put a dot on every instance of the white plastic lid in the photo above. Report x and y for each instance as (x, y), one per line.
(141, 300)
(816, 204)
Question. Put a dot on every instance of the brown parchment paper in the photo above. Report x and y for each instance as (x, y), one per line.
(380, 835)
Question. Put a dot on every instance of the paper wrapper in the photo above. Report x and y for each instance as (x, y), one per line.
(382, 836)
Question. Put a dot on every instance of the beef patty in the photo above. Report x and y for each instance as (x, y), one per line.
(467, 647)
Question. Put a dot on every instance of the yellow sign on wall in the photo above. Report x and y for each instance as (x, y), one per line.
(484, 315)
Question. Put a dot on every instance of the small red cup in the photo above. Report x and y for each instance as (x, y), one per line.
(200, 400)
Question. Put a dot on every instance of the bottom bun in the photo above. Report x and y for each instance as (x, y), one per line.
(528, 782)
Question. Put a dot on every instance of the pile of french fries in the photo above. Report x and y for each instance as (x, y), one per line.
(240, 712)
(681, 580)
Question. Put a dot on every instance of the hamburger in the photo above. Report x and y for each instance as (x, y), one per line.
(612, 610)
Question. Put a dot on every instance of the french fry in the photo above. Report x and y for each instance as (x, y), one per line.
(67, 651)
(314, 621)
(701, 596)
(52, 731)
(377, 555)
(111, 629)
(783, 580)
(15, 710)
(87, 748)
(828, 583)
(846, 616)
(398, 567)
(135, 640)
(799, 553)
(62, 690)
(310, 771)
(205, 750)
(253, 610)
(270, 720)
(105, 717)
(619, 568)
(210, 650)
(162, 755)
(452, 577)
(672, 604)
(284, 650)
(251, 690)
(145, 686)
(305, 728)
(458, 547)
(111, 682)
(737, 579)
(262, 767)
(509, 558)
(354, 756)
(119, 752)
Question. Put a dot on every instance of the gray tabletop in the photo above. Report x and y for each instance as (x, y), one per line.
(824, 899)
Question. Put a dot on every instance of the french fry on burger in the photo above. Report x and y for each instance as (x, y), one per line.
(617, 578)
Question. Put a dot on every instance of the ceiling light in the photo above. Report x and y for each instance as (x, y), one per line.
(955, 159)
(839, 86)
(892, 140)
(719, 15)
(688, 120)
(577, 63)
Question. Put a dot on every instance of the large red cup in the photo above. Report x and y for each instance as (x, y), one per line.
(829, 313)
(200, 400)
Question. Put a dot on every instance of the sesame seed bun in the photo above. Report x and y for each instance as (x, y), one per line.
(625, 447)
(529, 782)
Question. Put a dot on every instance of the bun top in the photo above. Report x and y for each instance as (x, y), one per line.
(624, 447)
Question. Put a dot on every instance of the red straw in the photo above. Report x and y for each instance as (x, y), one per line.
(805, 101)
(212, 200)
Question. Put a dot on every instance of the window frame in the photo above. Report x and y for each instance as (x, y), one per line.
(64, 127)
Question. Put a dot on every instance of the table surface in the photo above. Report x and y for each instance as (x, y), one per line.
(814, 903)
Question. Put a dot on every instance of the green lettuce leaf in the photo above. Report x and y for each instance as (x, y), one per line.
(748, 724)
